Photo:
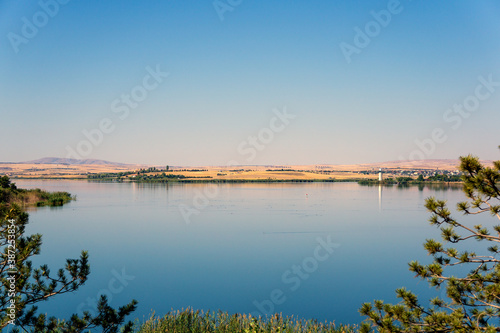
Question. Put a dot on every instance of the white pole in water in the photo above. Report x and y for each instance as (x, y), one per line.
(380, 174)
(380, 197)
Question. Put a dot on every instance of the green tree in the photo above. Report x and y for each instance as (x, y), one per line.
(22, 286)
(473, 300)
(6, 184)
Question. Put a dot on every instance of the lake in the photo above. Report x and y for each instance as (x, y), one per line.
(312, 250)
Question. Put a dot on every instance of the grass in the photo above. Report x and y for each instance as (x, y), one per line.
(53, 199)
(34, 197)
(190, 321)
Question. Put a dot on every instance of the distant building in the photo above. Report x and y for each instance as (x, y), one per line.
(380, 174)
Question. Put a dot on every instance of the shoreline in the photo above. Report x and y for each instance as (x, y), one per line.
(360, 181)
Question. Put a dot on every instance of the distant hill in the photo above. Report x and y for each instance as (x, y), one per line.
(441, 164)
(65, 168)
(431, 164)
(420, 164)
(72, 161)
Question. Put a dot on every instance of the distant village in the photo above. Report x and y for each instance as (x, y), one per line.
(394, 172)
(401, 174)
(411, 172)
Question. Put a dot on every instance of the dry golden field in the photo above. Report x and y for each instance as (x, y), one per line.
(305, 172)
(22, 170)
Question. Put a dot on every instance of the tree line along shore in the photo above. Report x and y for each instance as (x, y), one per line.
(274, 176)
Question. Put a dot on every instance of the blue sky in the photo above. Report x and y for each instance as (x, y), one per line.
(226, 76)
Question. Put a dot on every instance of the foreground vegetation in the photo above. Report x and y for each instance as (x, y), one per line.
(190, 321)
(22, 286)
(10, 194)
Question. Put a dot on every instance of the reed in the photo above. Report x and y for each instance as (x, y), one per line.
(191, 321)
(34, 197)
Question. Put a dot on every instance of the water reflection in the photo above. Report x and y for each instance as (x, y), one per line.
(236, 249)
(420, 187)
(380, 198)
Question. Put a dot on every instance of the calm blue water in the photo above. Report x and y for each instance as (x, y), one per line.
(248, 248)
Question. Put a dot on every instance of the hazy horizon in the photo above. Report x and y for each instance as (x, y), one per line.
(40, 161)
(275, 83)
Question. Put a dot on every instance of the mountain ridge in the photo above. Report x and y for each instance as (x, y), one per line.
(427, 163)
(72, 161)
